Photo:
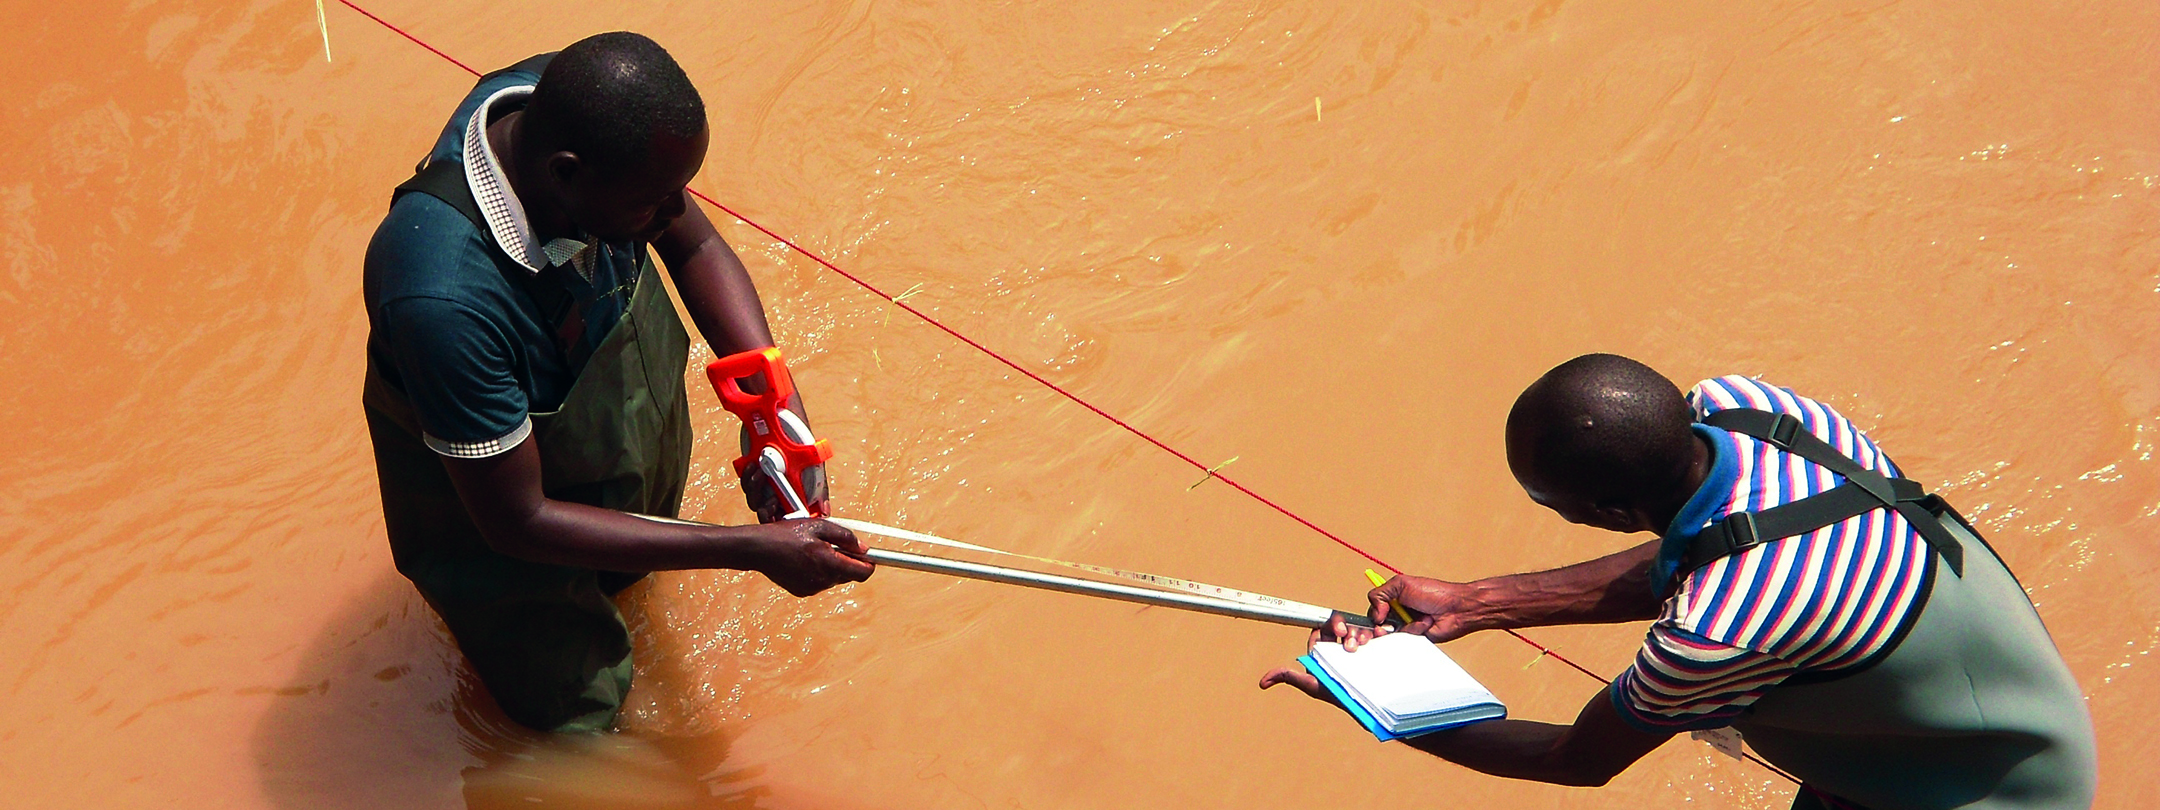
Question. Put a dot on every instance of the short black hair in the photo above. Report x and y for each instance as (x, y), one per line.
(1602, 427)
(606, 96)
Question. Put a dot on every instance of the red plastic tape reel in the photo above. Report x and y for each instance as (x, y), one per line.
(762, 412)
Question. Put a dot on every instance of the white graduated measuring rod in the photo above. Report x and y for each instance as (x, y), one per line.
(1193, 596)
(1186, 594)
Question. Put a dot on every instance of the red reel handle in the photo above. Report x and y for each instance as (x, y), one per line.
(760, 412)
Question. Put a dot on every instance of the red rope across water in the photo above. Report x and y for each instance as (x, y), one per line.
(1074, 398)
(415, 40)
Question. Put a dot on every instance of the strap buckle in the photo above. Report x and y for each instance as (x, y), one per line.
(1740, 532)
(1735, 534)
(1783, 430)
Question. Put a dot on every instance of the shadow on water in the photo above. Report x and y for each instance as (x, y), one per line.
(384, 713)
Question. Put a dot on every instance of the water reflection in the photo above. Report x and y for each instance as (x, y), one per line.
(385, 714)
(626, 770)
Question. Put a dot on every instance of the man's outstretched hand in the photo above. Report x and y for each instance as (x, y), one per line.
(1294, 672)
(1296, 676)
(808, 556)
(1350, 636)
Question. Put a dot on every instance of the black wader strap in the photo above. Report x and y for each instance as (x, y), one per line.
(445, 180)
(1864, 491)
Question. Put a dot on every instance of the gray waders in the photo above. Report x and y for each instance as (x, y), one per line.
(1969, 706)
(546, 640)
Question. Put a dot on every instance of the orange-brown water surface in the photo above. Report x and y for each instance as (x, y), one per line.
(1330, 240)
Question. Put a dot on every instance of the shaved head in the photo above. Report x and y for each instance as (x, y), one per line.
(1601, 430)
(609, 140)
(608, 96)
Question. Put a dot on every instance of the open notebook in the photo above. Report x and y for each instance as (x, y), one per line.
(1400, 685)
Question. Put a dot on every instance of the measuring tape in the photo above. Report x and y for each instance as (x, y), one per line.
(780, 443)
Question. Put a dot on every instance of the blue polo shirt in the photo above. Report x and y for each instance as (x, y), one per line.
(453, 330)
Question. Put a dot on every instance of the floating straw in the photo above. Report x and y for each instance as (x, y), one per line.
(322, 22)
(903, 296)
(1211, 471)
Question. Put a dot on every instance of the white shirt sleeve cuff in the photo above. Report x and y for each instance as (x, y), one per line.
(481, 449)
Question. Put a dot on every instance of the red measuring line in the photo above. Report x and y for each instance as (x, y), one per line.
(1075, 398)
(956, 334)
(415, 40)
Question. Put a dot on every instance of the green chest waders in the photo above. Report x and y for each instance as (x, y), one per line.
(1970, 705)
(546, 640)
(1973, 709)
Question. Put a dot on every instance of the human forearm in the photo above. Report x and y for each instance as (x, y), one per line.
(1515, 749)
(1613, 588)
(573, 534)
(1588, 752)
(1591, 751)
(504, 497)
(801, 556)
(715, 288)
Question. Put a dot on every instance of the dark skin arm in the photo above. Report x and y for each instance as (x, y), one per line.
(503, 494)
(1589, 752)
(1613, 588)
(724, 304)
(714, 286)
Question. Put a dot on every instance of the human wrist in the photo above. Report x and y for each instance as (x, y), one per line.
(753, 547)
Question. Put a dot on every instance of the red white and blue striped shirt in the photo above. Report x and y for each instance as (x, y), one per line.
(1811, 605)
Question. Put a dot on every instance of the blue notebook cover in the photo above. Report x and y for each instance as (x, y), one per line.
(1365, 718)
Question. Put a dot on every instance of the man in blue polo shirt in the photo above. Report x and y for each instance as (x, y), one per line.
(525, 392)
(1858, 633)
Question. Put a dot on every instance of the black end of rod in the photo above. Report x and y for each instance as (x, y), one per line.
(1354, 620)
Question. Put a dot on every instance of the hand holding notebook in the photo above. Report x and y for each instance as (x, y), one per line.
(1401, 685)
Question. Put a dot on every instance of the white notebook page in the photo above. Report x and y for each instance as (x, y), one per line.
(1403, 675)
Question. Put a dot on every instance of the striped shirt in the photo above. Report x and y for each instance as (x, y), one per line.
(1808, 606)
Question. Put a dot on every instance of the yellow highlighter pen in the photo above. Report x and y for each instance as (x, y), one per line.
(1377, 581)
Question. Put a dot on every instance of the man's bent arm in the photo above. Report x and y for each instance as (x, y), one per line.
(724, 304)
(714, 286)
(503, 495)
(1613, 588)
(1597, 747)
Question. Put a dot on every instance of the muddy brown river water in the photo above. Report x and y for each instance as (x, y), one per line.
(1330, 240)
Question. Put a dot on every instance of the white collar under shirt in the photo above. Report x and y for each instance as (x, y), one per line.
(505, 215)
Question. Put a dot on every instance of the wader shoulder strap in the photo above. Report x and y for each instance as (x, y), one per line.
(1864, 491)
(445, 180)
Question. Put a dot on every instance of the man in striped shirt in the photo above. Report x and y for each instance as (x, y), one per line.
(1856, 630)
